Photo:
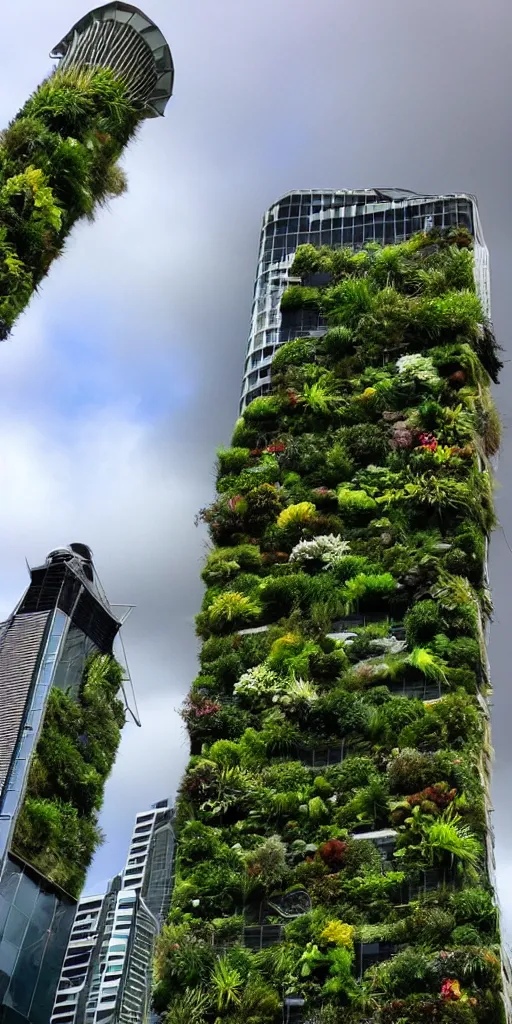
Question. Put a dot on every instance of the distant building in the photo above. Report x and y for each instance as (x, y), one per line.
(107, 972)
(336, 218)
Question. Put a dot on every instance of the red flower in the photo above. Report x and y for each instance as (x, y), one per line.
(233, 502)
(428, 441)
(256, 451)
(333, 852)
(450, 989)
(275, 449)
(293, 397)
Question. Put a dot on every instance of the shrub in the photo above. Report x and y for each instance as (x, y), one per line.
(232, 460)
(422, 621)
(327, 549)
(224, 563)
(465, 935)
(365, 443)
(338, 933)
(264, 408)
(296, 515)
(296, 297)
(409, 770)
(338, 342)
(231, 610)
(354, 504)
(57, 829)
(293, 353)
(332, 853)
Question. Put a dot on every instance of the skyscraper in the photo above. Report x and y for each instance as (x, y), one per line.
(338, 218)
(335, 815)
(107, 973)
(57, 677)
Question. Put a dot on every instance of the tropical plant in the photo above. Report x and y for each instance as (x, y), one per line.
(231, 609)
(57, 829)
(296, 515)
(328, 549)
(58, 164)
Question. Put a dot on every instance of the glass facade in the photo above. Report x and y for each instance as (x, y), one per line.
(62, 618)
(110, 982)
(336, 218)
(35, 921)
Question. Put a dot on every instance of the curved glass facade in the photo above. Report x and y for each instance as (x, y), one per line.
(336, 218)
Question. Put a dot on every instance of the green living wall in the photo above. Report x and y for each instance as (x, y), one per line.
(57, 164)
(343, 674)
(57, 829)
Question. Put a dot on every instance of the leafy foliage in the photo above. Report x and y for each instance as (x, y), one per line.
(58, 163)
(57, 828)
(356, 705)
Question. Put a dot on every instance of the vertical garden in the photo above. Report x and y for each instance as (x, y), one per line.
(333, 848)
(57, 829)
(57, 164)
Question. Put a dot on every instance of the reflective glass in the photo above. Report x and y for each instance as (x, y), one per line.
(15, 927)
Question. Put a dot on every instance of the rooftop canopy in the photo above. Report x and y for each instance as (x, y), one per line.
(120, 37)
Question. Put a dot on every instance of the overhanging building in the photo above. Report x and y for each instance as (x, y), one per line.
(62, 619)
(336, 218)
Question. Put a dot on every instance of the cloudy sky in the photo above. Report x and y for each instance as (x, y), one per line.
(123, 376)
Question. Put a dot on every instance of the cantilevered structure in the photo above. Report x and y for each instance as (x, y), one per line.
(60, 723)
(59, 156)
(335, 857)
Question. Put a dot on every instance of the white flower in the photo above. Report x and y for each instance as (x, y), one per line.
(419, 367)
(328, 549)
(259, 679)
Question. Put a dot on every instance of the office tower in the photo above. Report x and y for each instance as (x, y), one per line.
(107, 972)
(334, 820)
(59, 155)
(60, 722)
(149, 863)
(337, 218)
(83, 955)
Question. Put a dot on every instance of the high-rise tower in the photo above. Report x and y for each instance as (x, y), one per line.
(107, 972)
(60, 721)
(337, 218)
(335, 816)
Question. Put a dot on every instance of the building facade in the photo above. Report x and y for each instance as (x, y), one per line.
(339, 725)
(62, 621)
(107, 973)
(337, 218)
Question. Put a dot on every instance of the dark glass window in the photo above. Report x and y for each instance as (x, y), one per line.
(15, 927)
(26, 896)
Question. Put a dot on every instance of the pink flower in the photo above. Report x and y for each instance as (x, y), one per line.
(428, 441)
(450, 989)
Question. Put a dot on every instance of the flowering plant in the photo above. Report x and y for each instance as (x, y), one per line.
(450, 989)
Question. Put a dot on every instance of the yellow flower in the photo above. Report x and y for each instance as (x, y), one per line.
(339, 933)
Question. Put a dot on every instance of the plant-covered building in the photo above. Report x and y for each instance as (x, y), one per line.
(58, 157)
(60, 725)
(342, 218)
(335, 858)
